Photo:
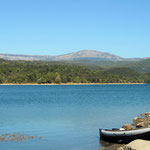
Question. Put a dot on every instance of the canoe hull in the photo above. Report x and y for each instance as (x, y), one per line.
(115, 136)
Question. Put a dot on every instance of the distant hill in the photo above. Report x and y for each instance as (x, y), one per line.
(24, 57)
(76, 56)
(90, 59)
(89, 55)
(84, 54)
(2, 60)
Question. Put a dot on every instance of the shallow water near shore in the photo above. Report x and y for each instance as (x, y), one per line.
(67, 117)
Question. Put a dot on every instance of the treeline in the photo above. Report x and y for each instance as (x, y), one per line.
(58, 72)
(142, 66)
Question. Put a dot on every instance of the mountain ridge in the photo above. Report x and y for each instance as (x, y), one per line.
(79, 55)
(88, 54)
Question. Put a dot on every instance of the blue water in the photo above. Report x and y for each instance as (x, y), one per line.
(67, 116)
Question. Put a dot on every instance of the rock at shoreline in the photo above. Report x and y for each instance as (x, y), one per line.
(136, 145)
(112, 147)
(127, 126)
(140, 125)
(147, 114)
(137, 119)
(142, 121)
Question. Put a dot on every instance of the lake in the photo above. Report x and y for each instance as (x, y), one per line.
(67, 117)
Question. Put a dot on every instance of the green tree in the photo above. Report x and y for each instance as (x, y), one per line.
(50, 77)
(57, 79)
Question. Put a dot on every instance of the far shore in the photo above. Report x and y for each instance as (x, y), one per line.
(68, 83)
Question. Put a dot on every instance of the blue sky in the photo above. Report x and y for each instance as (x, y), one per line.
(52, 27)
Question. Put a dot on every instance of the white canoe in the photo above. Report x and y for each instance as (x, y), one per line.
(114, 135)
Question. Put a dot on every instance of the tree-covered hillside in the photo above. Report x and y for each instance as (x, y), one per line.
(142, 66)
(61, 72)
(124, 71)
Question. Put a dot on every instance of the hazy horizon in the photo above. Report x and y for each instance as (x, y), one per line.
(67, 53)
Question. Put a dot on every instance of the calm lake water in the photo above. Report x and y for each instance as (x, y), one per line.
(67, 116)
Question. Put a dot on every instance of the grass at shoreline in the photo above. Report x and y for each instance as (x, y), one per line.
(68, 83)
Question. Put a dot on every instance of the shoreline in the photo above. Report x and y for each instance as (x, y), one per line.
(70, 83)
(135, 142)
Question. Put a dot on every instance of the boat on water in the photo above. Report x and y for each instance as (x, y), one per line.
(124, 135)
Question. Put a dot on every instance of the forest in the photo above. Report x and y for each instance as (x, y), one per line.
(64, 72)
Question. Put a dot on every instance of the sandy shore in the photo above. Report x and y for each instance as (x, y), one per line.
(68, 83)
